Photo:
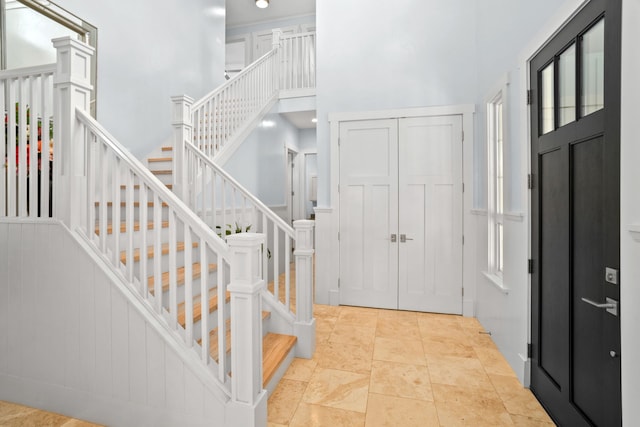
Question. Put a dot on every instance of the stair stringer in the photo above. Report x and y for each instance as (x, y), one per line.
(248, 126)
(138, 371)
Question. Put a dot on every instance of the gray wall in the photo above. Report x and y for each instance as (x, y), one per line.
(391, 54)
(148, 52)
(259, 164)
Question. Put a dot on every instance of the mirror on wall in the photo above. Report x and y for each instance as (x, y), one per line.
(28, 26)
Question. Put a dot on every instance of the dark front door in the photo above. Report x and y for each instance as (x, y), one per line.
(575, 162)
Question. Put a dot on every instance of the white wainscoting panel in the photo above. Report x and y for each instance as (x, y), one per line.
(74, 340)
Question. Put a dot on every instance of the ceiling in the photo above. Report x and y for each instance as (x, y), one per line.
(301, 119)
(245, 12)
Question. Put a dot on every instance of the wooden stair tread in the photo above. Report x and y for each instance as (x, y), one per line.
(136, 226)
(275, 348)
(167, 148)
(150, 251)
(179, 276)
(162, 172)
(159, 159)
(197, 306)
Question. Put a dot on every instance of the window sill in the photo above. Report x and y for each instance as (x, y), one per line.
(514, 216)
(479, 212)
(497, 282)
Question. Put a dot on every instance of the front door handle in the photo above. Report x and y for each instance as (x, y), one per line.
(404, 238)
(610, 305)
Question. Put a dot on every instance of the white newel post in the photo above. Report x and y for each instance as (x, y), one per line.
(305, 325)
(182, 130)
(72, 89)
(248, 399)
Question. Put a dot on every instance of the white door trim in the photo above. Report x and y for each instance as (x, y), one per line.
(328, 219)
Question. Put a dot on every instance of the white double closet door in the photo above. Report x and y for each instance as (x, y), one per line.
(401, 213)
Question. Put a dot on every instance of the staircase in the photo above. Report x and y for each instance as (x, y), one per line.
(276, 347)
(173, 237)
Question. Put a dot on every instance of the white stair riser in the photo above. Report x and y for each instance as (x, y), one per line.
(137, 237)
(136, 212)
(164, 261)
(181, 287)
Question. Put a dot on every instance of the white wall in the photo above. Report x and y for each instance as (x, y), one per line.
(630, 213)
(507, 34)
(260, 163)
(391, 54)
(148, 52)
(73, 340)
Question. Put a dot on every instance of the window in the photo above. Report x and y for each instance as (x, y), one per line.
(495, 168)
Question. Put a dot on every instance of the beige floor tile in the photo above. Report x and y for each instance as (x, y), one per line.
(479, 339)
(398, 315)
(321, 416)
(324, 328)
(459, 406)
(494, 362)
(78, 423)
(361, 336)
(300, 369)
(447, 346)
(276, 425)
(10, 411)
(520, 421)
(401, 380)
(344, 357)
(389, 411)
(442, 327)
(36, 419)
(470, 324)
(284, 400)
(398, 328)
(323, 311)
(506, 386)
(358, 316)
(524, 403)
(458, 371)
(338, 389)
(401, 351)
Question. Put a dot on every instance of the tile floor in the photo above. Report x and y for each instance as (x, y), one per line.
(393, 368)
(12, 415)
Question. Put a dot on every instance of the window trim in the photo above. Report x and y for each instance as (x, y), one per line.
(496, 215)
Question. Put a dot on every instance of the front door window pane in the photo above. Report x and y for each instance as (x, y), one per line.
(567, 86)
(546, 102)
(592, 50)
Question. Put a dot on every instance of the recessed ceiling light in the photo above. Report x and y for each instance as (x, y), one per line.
(262, 3)
(314, 120)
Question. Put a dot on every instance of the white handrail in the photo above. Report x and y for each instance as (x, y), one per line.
(111, 171)
(240, 75)
(223, 203)
(193, 150)
(156, 185)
